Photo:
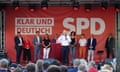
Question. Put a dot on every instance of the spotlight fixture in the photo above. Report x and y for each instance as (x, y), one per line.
(44, 4)
(117, 7)
(76, 5)
(32, 7)
(44, 8)
(88, 7)
(104, 5)
(16, 5)
(2, 6)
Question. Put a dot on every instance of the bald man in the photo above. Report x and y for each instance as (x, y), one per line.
(65, 40)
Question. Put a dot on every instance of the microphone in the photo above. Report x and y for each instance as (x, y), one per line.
(65, 36)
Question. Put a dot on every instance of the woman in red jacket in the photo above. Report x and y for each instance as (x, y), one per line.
(26, 50)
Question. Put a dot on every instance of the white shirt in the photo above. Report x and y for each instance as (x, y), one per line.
(20, 44)
(38, 39)
(91, 41)
(83, 42)
(64, 40)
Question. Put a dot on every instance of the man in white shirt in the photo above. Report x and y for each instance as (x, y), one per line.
(65, 40)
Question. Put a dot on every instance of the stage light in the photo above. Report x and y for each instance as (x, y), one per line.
(16, 8)
(88, 7)
(44, 5)
(76, 8)
(32, 7)
(88, 10)
(117, 7)
(2, 6)
(117, 10)
(104, 5)
(32, 10)
(15, 4)
(44, 8)
(103, 8)
(76, 5)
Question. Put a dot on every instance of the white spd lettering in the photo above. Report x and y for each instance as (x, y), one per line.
(85, 23)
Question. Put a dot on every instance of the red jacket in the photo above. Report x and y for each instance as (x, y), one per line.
(26, 44)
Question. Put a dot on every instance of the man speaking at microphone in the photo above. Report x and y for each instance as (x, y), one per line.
(65, 40)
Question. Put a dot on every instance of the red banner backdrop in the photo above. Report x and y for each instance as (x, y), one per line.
(54, 20)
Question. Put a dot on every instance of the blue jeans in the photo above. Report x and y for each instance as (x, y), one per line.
(72, 52)
(65, 53)
(36, 52)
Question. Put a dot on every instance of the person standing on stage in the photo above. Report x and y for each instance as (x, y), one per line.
(73, 45)
(37, 41)
(110, 45)
(91, 44)
(18, 46)
(54, 40)
(65, 40)
(83, 46)
(46, 45)
(26, 50)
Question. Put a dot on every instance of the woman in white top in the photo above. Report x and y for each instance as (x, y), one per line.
(83, 46)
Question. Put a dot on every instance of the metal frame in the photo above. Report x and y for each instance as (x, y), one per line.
(118, 41)
(58, 2)
(2, 31)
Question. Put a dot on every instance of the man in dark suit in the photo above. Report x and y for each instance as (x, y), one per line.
(18, 46)
(37, 41)
(110, 45)
(91, 44)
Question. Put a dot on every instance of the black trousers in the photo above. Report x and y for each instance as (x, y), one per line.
(110, 51)
(26, 54)
(18, 53)
(65, 53)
